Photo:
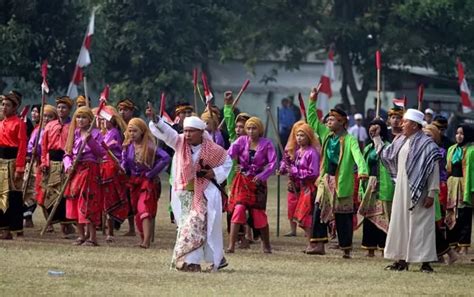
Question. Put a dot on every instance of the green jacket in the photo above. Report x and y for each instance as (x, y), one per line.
(386, 185)
(349, 155)
(229, 119)
(467, 170)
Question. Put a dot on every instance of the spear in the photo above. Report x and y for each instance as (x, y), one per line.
(236, 101)
(73, 168)
(34, 152)
(378, 65)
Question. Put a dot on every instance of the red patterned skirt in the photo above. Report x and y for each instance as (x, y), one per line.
(114, 190)
(246, 192)
(84, 195)
(144, 195)
(303, 213)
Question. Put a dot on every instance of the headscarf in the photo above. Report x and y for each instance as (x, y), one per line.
(396, 111)
(440, 122)
(181, 107)
(242, 117)
(434, 131)
(468, 131)
(257, 123)
(340, 115)
(65, 100)
(126, 104)
(81, 111)
(383, 128)
(211, 119)
(148, 141)
(292, 145)
(116, 120)
(50, 109)
(14, 97)
(81, 100)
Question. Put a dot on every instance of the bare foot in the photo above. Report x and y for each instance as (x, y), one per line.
(130, 233)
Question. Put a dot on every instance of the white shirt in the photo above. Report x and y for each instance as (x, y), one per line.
(359, 132)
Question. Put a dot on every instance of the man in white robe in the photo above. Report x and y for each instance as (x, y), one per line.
(196, 201)
(412, 159)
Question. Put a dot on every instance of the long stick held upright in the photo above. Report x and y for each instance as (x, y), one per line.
(73, 168)
(236, 101)
(34, 152)
(378, 64)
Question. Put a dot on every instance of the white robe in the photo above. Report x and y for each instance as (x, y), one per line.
(411, 234)
(213, 249)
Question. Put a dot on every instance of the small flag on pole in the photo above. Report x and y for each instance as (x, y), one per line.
(464, 88)
(207, 90)
(400, 102)
(44, 74)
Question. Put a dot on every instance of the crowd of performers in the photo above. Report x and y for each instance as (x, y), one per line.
(408, 189)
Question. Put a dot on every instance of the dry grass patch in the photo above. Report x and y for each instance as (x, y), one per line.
(123, 270)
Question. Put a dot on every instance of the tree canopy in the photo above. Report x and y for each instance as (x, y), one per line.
(144, 47)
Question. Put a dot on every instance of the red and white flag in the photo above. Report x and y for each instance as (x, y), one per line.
(44, 74)
(83, 60)
(464, 89)
(104, 96)
(325, 91)
(400, 102)
(207, 89)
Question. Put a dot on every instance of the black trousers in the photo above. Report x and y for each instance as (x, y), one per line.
(343, 228)
(12, 219)
(461, 233)
(442, 245)
(372, 237)
(29, 210)
(60, 214)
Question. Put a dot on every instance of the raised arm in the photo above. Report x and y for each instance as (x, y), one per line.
(229, 117)
(164, 132)
(321, 130)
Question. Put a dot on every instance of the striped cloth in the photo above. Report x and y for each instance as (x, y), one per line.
(424, 153)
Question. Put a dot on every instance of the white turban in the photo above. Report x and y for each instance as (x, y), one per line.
(414, 115)
(194, 122)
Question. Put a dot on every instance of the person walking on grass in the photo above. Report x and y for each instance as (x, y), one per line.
(113, 179)
(144, 160)
(334, 201)
(84, 200)
(12, 166)
(257, 161)
(460, 166)
(377, 196)
(412, 160)
(301, 164)
(201, 166)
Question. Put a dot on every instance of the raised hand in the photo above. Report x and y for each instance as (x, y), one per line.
(228, 98)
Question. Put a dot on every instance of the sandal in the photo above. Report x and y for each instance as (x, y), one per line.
(109, 239)
(397, 266)
(7, 236)
(79, 241)
(90, 243)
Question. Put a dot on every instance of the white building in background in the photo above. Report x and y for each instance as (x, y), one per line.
(232, 74)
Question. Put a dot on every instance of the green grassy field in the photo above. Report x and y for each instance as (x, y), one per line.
(121, 269)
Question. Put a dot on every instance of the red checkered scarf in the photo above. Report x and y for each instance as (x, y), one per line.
(212, 155)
